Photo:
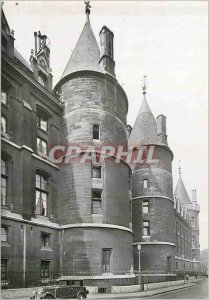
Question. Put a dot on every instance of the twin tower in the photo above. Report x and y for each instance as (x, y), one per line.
(108, 209)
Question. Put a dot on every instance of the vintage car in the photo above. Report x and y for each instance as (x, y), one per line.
(65, 289)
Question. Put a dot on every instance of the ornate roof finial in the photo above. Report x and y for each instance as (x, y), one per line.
(144, 85)
(179, 168)
(88, 6)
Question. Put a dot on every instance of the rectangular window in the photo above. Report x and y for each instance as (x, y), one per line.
(42, 123)
(96, 172)
(96, 201)
(4, 97)
(41, 146)
(45, 239)
(4, 234)
(45, 269)
(145, 183)
(3, 124)
(3, 182)
(41, 195)
(96, 134)
(106, 260)
(146, 228)
(4, 271)
(145, 206)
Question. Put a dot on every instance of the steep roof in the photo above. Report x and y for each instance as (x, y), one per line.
(145, 126)
(86, 54)
(181, 192)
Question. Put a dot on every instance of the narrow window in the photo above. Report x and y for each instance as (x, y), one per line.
(45, 269)
(4, 97)
(42, 123)
(41, 195)
(41, 146)
(96, 201)
(3, 124)
(146, 228)
(96, 172)
(176, 265)
(145, 207)
(4, 179)
(96, 135)
(145, 183)
(4, 234)
(106, 260)
(45, 239)
(4, 271)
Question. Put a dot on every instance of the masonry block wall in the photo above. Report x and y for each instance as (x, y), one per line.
(159, 243)
(94, 99)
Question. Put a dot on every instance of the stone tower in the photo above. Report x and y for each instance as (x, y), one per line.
(152, 194)
(94, 197)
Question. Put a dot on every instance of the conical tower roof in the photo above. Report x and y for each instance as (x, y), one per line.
(145, 127)
(86, 54)
(181, 192)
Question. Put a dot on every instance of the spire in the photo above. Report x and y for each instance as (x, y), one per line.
(86, 54)
(180, 191)
(145, 127)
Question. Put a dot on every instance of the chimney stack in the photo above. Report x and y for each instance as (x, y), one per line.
(161, 129)
(106, 50)
(194, 197)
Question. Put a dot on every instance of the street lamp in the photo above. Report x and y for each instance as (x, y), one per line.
(139, 266)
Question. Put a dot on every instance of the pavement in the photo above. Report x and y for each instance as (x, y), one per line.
(192, 289)
(143, 294)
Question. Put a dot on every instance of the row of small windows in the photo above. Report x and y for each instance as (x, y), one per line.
(4, 97)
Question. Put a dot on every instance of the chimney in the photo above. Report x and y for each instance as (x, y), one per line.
(106, 50)
(161, 129)
(194, 197)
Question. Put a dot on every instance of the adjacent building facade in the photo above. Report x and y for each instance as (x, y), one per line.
(85, 219)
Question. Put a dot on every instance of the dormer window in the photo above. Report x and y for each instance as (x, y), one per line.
(41, 78)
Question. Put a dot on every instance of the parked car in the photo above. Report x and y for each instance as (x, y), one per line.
(65, 289)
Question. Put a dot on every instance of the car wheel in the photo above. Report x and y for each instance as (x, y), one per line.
(47, 297)
(81, 296)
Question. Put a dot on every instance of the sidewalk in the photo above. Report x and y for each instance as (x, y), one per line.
(143, 294)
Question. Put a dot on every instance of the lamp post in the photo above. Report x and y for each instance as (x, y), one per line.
(139, 266)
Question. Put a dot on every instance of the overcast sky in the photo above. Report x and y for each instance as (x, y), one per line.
(165, 40)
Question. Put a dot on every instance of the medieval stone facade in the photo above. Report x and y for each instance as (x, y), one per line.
(85, 219)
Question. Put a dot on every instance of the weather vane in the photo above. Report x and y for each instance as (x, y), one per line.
(144, 85)
(88, 6)
(179, 167)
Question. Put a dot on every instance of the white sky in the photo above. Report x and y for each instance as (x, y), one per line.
(165, 40)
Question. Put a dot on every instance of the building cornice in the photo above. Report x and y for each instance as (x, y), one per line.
(98, 225)
(154, 243)
(30, 150)
(153, 196)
